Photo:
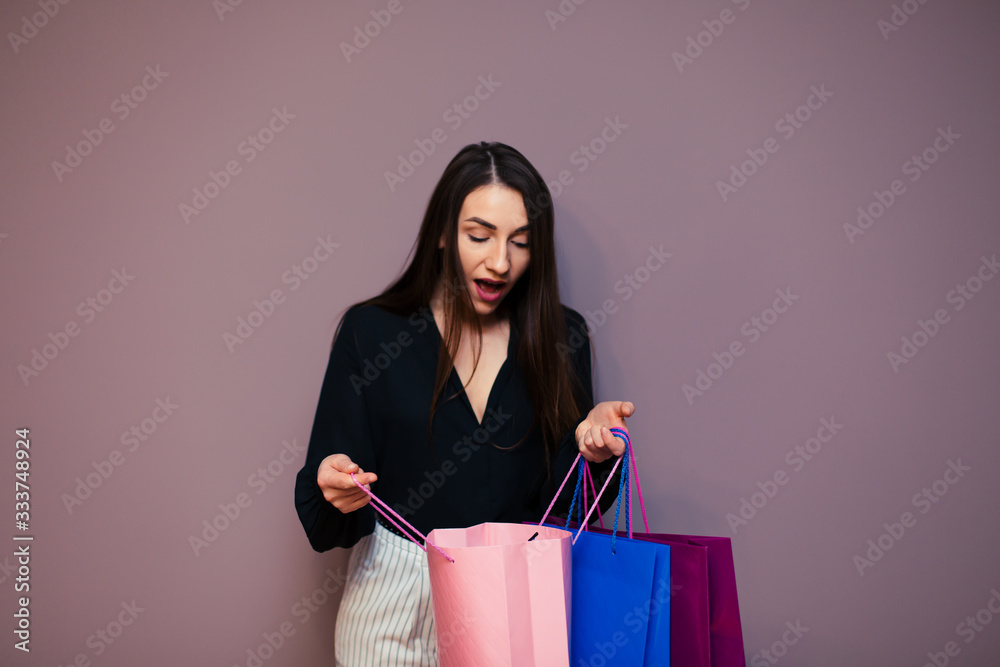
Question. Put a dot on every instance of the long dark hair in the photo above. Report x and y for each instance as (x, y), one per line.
(555, 391)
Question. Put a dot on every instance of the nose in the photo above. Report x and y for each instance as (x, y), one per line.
(498, 260)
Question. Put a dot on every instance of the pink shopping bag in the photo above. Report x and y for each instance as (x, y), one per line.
(500, 592)
(504, 600)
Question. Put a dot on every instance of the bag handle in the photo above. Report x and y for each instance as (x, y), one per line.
(593, 489)
(378, 504)
(583, 470)
(634, 469)
(628, 457)
(625, 489)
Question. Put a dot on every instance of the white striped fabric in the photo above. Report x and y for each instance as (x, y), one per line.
(385, 617)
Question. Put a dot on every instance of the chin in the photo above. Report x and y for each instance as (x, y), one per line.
(487, 308)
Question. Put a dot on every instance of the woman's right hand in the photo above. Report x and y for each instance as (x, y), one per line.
(334, 479)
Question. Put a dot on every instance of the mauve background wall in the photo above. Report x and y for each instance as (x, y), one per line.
(855, 295)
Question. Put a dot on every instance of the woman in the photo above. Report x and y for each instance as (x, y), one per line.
(460, 395)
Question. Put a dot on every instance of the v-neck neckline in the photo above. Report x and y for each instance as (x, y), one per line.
(503, 374)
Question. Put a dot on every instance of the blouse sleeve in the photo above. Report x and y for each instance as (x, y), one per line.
(341, 426)
(568, 449)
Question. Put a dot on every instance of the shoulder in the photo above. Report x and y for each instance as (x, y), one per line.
(577, 331)
(577, 338)
(369, 324)
(574, 320)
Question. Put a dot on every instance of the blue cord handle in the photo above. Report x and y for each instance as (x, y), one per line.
(624, 489)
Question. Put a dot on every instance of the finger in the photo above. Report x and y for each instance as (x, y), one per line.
(341, 497)
(601, 444)
(354, 504)
(592, 456)
(351, 496)
(341, 463)
(592, 446)
(365, 479)
(624, 408)
(613, 442)
(604, 439)
(340, 480)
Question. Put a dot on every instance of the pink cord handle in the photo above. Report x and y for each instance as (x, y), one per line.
(586, 519)
(638, 486)
(556, 497)
(593, 489)
(378, 505)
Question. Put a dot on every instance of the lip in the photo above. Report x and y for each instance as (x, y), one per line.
(485, 296)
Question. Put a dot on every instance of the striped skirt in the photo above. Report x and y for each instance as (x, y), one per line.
(385, 617)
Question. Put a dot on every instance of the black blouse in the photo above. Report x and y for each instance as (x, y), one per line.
(374, 406)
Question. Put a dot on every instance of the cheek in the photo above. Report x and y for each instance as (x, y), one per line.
(522, 267)
(467, 258)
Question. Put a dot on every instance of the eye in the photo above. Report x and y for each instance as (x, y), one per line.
(477, 239)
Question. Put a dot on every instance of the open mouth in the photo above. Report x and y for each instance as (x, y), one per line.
(489, 289)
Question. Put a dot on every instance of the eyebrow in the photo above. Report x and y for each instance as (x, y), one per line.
(482, 222)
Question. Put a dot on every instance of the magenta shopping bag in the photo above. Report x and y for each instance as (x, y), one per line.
(705, 626)
(705, 599)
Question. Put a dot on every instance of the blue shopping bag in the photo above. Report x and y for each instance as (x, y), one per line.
(620, 602)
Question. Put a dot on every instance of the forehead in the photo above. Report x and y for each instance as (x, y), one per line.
(498, 206)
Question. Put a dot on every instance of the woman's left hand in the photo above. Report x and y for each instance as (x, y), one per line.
(595, 441)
